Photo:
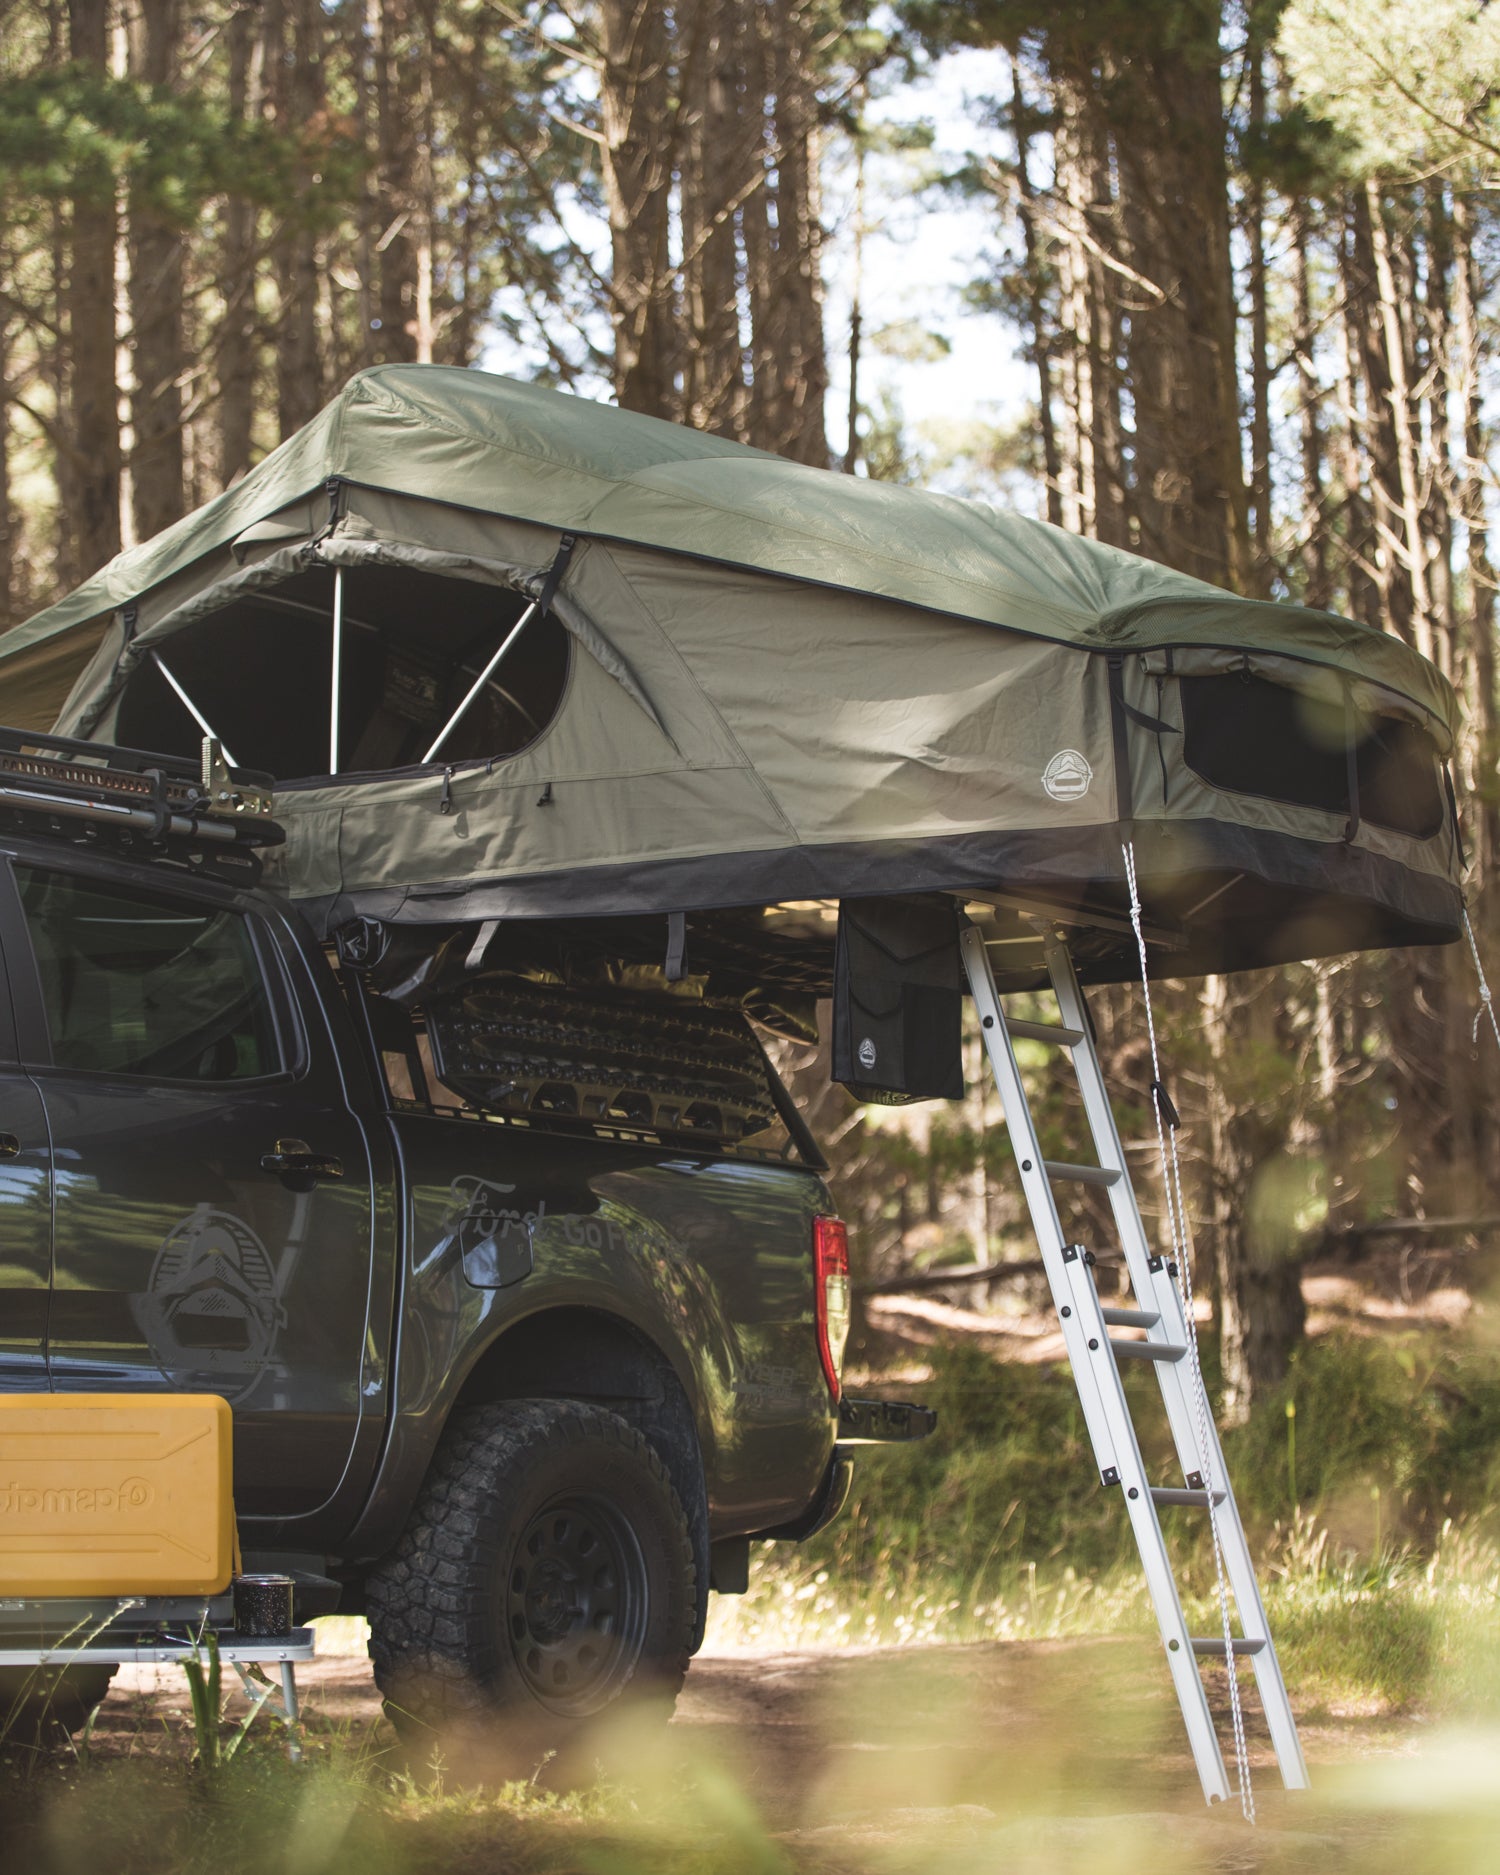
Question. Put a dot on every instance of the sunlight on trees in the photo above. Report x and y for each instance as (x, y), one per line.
(1246, 252)
(1411, 86)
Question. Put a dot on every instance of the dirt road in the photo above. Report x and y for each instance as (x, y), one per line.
(861, 1752)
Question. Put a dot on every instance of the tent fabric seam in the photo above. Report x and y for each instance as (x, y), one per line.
(691, 676)
(1097, 632)
(1092, 648)
(412, 413)
(489, 766)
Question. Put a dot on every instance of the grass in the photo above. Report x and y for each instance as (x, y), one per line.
(1382, 1576)
(1387, 1612)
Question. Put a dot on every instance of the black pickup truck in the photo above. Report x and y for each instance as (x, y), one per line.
(520, 1374)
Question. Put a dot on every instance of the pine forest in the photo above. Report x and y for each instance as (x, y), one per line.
(1246, 255)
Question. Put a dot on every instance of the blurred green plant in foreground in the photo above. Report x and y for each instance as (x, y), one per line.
(1060, 1753)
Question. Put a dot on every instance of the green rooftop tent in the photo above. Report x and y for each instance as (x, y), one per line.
(514, 655)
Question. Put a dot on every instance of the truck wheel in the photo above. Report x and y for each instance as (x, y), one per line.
(40, 1705)
(547, 1567)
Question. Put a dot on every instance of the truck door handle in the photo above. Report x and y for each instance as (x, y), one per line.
(10, 1146)
(294, 1158)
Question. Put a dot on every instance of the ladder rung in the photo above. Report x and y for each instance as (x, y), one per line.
(1147, 1350)
(1043, 1032)
(1080, 1174)
(1130, 1318)
(1132, 1333)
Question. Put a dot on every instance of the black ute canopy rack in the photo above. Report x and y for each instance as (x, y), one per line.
(158, 805)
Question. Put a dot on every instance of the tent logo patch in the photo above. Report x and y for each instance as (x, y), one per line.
(867, 1053)
(1067, 776)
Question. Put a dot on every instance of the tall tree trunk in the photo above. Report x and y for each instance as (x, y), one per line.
(237, 337)
(1317, 587)
(1073, 100)
(463, 333)
(1106, 439)
(1465, 368)
(1435, 317)
(294, 39)
(423, 193)
(93, 429)
(1369, 296)
(852, 442)
(1043, 339)
(756, 230)
(713, 175)
(1261, 1311)
(1365, 568)
(364, 35)
(1479, 1115)
(636, 111)
(792, 418)
(1394, 312)
(1170, 144)
(1261, 570)
(158, 356)
(395, 246)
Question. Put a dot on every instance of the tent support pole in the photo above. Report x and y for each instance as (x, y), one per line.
(480, 681)
(338, 670)
(192, 708)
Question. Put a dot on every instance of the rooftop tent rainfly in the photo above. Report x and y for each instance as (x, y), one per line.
(752, 682)
(589, 681)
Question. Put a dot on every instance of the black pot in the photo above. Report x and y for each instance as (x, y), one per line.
(263, 1606)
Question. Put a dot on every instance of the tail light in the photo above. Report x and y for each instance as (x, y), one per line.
(831, 1296)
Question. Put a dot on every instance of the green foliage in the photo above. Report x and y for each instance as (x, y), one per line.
(997, 1525)
(214, 1749)
(1130, 29)
(1296, 151)
(71, 133)
(1423, 1428)
(1410, 86)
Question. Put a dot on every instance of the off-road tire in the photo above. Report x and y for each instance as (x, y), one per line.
(545, 1572)
(41, 1705)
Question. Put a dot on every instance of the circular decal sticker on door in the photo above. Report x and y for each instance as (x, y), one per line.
(1067, 776)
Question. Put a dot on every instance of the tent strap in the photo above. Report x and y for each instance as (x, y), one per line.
(676, 946)
(1121, 714)
(1351, 766)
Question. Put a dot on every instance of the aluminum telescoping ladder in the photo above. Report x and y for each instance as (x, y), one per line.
(1095, 1355)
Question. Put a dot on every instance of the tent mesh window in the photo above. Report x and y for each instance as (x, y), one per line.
(1249, 736)
(413, 646)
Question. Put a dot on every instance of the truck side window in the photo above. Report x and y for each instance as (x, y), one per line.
(139, 983)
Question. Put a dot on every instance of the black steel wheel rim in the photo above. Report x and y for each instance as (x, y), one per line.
(576, 1603)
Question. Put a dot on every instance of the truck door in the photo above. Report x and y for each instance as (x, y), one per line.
(212, 1192)
(25, 1219)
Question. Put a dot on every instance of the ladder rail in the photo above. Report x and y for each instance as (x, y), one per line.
(1101, 1392)
(1151, 1282)
(1192, 1432)
(1094, 1357)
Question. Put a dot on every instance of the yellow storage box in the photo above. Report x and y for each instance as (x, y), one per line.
(115, 1494)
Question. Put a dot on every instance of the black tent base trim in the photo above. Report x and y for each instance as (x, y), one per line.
(1221, 897)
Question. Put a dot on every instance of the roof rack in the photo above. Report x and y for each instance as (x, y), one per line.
(160, 802)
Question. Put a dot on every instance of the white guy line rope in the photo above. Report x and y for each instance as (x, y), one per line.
(1486, 1000)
